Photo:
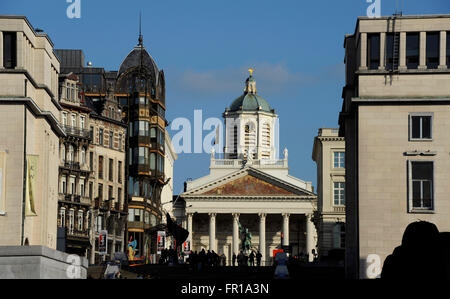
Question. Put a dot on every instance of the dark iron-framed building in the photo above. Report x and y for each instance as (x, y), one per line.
(140, 91)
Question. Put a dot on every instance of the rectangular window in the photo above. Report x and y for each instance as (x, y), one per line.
(111, 169)
(119, 172)
(120, 142)
(119, 195)
(421, 185)
(100, 167)
(82, 187)
(339, 160)
(131, 215)
(110, 192)
(9, 50)
(448, 49)
(74, 120)
(432, 53)
(412, 50)
(111, 139)
(91, 190)
(420, 126)
(82, 122)
(100, 136)
(64, 118)
(339, 193)
(100, 191)
(91, 161)
(373, 51)
(389, 51)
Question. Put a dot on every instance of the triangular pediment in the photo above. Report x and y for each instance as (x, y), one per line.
(248, 182)
(248, 185)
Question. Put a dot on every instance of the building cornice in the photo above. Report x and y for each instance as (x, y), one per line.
(31, 105)
(35, 84)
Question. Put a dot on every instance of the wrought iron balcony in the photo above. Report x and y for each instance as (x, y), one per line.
(77, 132)
(72, 165)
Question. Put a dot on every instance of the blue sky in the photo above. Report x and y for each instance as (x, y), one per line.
(206, 46)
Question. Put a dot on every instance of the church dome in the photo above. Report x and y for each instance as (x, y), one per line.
(250, 101)
(133, 61)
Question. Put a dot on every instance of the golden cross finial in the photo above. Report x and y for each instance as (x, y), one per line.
(250, 70)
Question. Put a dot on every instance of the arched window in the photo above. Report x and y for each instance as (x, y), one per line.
(266, 140)
(250, 138)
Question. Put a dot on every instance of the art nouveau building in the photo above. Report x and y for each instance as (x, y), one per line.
(395, 120)
(329, 155)
(140, 91)
(250, 186)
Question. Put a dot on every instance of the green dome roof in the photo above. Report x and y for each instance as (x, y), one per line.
(250, 102)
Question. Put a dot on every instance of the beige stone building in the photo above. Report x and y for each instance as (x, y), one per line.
(29, 135)
(74, 172)
(329, 155)
(395, 119)
(107, 182)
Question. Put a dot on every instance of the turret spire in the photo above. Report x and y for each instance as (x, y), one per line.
(141, 38)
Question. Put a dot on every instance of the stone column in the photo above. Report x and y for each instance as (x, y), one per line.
(20, 51)
(402, 61)
(212, 231)
(363, 51)
(423, 50)
(285, 229)
(1, 51)
(262, 237)
(382, 52)
(442, 52)
(189, 228)
(236, 233)
(310, 237)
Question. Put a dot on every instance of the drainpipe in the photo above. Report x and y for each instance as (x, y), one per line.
(24, 171)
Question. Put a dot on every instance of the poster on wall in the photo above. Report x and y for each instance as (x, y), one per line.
(30, 185)
(161, 241)
(187, 247)
(103, 242)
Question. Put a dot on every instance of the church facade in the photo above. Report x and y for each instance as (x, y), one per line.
(250, 188)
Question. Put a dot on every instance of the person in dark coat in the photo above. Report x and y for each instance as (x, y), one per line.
(252, 259)
(234, 259)
(418, 256)
(258, 258)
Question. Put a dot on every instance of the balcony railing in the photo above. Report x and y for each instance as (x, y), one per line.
(75, 198)
(237, 163)
(77, 132)
(72, 165)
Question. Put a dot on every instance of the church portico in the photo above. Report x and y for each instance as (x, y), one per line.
(269, 232)
(250, 189)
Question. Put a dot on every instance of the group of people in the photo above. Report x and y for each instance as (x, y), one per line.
(247, 260)
(206, 259)
(168, 256)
